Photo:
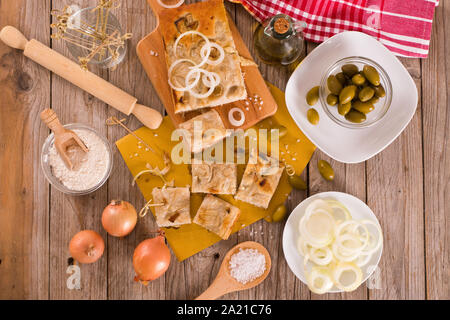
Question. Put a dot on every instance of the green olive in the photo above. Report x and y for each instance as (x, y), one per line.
(279, 214)
(342, 78)
(334, 85)
(312, 96)
(355, 116)
(282, 130)
(371, 75)
(325, 170)
(332, 99)
(350, 69)
(358, 79)
(347, 94)
(313, 116)
(363, 107)
(366, 94)
(343, 109)
(379, 91)
(374, 100)
(297, 182)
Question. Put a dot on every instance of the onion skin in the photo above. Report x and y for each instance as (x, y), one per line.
(151, 259)
(86, 246)
(119, 218)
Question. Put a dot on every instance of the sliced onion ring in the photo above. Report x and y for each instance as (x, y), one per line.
(208, 48)
(321, 260)
(204, 49)
(232, 119)
(340, 268)
(323, 274)
(336, 204)
(186, 87)
(170, 6)
(343, 256)
(309, 238)
(211, 79)
(379, 242)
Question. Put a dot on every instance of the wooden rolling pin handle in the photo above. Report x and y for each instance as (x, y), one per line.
(51, 120)
(13, 38)
(149, 117)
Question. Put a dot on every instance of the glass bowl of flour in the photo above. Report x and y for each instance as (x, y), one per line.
(91, 170)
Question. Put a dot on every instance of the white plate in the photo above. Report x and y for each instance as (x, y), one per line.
(340, 143)
(358, 209)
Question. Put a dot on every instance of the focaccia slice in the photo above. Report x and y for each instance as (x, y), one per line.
(175, 208)
(212, 131)
(210, 19)
(216, 178)
(260, 180)
(217, 215)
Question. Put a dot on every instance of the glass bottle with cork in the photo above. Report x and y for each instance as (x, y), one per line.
(279, 40)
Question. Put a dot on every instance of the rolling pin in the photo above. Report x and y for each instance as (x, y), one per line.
(86, 80)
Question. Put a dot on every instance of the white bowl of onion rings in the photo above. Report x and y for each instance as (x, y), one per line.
(332, 242)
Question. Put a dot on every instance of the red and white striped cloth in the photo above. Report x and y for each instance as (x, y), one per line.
(403, 26)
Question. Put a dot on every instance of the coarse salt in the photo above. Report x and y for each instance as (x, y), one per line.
(247, 265)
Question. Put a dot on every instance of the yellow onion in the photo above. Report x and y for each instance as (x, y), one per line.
(86, 246)
(151, 259)
(119, 218)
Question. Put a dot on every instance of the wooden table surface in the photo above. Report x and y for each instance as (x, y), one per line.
(407, 185)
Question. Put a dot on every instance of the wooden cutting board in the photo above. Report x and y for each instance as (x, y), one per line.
(156, 68)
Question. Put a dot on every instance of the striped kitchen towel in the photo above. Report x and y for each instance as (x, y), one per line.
(403, 26)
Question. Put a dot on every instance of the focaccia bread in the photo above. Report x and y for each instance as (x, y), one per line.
(217, 215)
(260, 180)
(210, 19)
(213, 131)
(175, 208)
(216, 178)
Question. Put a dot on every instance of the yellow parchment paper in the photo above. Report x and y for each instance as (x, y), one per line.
(295, 149)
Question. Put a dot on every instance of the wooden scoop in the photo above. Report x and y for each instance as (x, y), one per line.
(86, 80)
(225, 283)
(64, 138)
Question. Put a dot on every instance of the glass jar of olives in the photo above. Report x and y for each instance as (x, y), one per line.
(355, 92)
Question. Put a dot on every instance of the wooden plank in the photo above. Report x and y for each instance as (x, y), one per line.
(436, 119)
(24, 213)
(395, 194)
(69, 215)
(201, 269)
(281, 282)
(135, 17)
(349, 178)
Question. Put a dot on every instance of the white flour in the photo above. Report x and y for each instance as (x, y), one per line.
(247, 265)
(89, 168)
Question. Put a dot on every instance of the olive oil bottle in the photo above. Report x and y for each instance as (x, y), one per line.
(279, 40)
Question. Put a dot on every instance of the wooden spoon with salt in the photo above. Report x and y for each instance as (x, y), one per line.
(225, 283)
(64, 138)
